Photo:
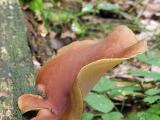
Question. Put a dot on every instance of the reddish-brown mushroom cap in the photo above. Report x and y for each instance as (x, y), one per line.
(92, 72)
(69, 76)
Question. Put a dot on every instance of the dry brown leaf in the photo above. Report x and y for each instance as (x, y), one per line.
(42, 30)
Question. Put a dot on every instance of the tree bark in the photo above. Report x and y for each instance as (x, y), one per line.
(16, 68)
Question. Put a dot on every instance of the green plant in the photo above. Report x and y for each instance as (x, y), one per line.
(55, 15)
(101, 99)
(151, 95)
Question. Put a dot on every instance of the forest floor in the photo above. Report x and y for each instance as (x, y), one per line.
(135, 92)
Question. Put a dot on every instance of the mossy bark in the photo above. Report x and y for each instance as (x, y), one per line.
(16, 69)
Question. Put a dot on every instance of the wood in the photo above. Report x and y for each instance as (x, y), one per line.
(16, 69)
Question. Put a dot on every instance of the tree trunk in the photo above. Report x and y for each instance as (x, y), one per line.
(16, 69)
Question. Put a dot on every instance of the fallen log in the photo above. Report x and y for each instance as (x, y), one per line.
(16, 68)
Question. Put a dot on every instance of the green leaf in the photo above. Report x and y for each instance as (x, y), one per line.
(152, 91)
(130, 90)
(152, 117)
(151, 99)
(126, 90)
(112, 116)
(46, 14)
(155, 75)
(149, 114)
(88, 8)
(104, 84)
(87, 116)
(108, 6)
(36, 5)
(54, 1)
(132, 116)
(59, 15)
(78, 28)
(149, 59)
(99, 102)
(154, 109)
(143, 116)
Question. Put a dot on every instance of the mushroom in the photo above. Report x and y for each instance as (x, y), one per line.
(66, 78)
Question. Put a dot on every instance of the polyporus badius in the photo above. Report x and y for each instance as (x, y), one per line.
(67, 77)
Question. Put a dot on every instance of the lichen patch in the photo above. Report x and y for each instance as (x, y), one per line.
(6, 2)
(3, 53)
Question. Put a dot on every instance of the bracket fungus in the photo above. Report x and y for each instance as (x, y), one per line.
(67, 77)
